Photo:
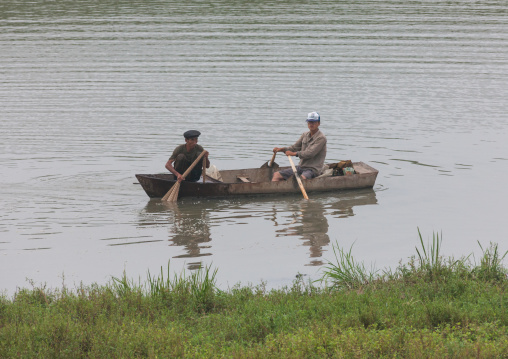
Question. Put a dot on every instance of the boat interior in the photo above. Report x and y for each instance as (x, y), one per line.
(263, 174)
(248, 175)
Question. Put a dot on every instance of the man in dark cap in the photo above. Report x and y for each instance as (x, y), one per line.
(310, 148)
(184, 155)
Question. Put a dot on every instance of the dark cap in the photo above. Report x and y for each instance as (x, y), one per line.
(191, 134)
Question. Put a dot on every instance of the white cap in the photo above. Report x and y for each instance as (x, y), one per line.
(313, 116)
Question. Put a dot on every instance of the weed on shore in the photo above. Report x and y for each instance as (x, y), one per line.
(429, 307)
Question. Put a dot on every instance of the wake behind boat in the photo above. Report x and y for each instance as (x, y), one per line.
(256, 181)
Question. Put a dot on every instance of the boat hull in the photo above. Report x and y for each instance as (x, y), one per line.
(157, 185)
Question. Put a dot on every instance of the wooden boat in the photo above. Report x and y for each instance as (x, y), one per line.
(256, 181)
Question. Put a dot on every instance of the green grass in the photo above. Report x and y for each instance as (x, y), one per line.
(429, 307)
(346, 272)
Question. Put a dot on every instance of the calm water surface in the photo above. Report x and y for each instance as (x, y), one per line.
(92, 93)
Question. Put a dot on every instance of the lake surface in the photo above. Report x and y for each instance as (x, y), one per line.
(93, 92)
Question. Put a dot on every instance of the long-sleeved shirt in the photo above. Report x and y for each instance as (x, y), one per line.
(311, 150)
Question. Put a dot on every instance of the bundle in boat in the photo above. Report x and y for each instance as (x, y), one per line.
(172, 194)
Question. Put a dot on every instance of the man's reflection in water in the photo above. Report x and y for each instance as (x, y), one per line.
(189, 228)
(310, 224)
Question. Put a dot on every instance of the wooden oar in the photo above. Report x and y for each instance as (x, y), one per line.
(271, 163)
(204, 169)
(172, 194)
(273, 159)
(298, 179)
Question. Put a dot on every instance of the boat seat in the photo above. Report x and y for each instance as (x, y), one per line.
(211, 179)
(243, 179)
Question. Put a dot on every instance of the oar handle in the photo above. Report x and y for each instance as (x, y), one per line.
(196, 161)
(273, 159)
(298, 179)
(204, 169)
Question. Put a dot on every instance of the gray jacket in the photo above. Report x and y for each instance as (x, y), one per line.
(311, 150)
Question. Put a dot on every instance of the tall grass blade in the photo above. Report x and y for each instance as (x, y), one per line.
(490, 267)
(346, 273)
(430, 261)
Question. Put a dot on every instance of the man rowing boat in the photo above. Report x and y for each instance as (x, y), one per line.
(184, 155)
(310, 148)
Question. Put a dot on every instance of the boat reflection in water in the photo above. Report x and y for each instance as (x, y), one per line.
(189, 222)
(189, 228)
(344, 207)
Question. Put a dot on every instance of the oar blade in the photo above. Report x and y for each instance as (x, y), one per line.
(172, 194)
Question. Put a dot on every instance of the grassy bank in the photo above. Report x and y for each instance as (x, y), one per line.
(429, 307)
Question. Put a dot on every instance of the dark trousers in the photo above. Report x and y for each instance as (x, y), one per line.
(181, 165)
